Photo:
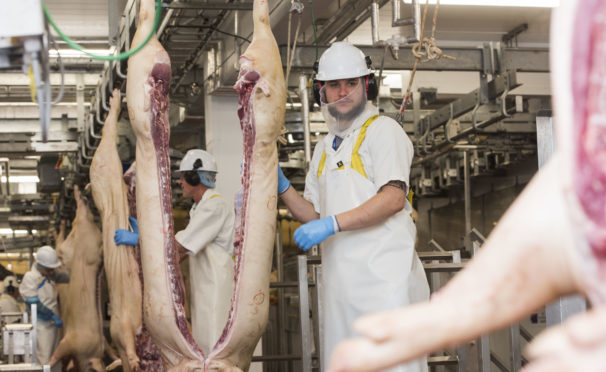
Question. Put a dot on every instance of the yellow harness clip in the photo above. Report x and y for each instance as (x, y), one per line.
(356, 159)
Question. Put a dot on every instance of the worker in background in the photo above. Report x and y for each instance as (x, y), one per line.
(208, 240)
(355, 202)
(38, 287)
(9, 299)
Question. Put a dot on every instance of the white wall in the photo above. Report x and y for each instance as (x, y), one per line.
(224, 141)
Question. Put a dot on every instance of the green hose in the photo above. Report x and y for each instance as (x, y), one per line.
(118, 57)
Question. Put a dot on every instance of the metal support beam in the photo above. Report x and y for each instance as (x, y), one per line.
(304, 314)
(210, 6)
(467, 59)
(563, 308)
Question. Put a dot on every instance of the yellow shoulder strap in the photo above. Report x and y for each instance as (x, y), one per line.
(356, 159)
(214, 196)
(322, 163)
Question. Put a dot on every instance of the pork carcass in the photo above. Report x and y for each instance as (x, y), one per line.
(80, 308)
(263, 101)
(262, 105)
(550, 243)
(147, 87)
(120, 262)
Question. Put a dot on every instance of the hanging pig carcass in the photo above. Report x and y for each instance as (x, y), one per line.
(83, 339)
(262, 90)
(121, 262)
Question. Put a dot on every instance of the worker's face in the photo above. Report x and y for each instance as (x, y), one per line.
(345, 98)
(47, 272)
(186, 188)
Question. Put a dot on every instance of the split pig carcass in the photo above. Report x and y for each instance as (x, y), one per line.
(262, 99)
(83, 339)
(121, 262)
(550, 243)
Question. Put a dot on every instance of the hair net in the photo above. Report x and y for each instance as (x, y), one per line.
(208, 178)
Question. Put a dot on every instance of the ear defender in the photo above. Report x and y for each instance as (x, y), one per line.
(192, 176)
(317, 85)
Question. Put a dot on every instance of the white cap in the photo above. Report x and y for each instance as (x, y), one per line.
(47, 257)
(190, 161)
(342, 61)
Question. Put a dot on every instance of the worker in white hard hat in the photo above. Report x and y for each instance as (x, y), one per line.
(208, 241)
(38, 287)
(355, 202)
(9, 299)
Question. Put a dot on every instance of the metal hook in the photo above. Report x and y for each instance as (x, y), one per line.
(504, 97)
(83, 149)
(448, 123)
(474, 112)
(91, 126)
(103, 95)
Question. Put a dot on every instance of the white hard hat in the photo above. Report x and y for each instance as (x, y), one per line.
(198, 160)
(342, 61)
(10, 280)
(47, 257)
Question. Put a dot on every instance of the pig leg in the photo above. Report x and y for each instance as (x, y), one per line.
(499, 286)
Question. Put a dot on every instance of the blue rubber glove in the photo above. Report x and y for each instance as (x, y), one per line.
(43, 312)
(57, 322)
(128, 237)
(283, 182)
(315, 232)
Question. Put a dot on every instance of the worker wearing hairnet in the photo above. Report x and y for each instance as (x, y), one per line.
(8, 299)
(208, 240)
(355, 202)
(38, 287)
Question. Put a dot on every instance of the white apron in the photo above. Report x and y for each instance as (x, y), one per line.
(367, 270)
(211, 295)
(209, 239)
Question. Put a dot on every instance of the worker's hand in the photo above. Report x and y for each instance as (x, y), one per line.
(283, 182)
(57, 322)
(128, 237)
(315, 232)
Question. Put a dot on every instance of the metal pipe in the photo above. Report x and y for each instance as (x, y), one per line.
(169, 14)
(281, 318)
(91, 127)
(396, 20)
(8, 175)
(416, 8)
(467, 192)
(374, 22)
(304, 314)
(305, 114)
(237, 32)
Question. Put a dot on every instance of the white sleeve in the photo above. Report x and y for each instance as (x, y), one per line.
(312, 190)
(28, 286)
(204, 226)
(391, 152)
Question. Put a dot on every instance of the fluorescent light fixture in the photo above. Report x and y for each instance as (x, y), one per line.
(512, 3)
(4, 231)
(22, 179)
(73, 53)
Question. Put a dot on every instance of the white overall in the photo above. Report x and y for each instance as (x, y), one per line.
(35, 284)
(209, 239)
(367, 270)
